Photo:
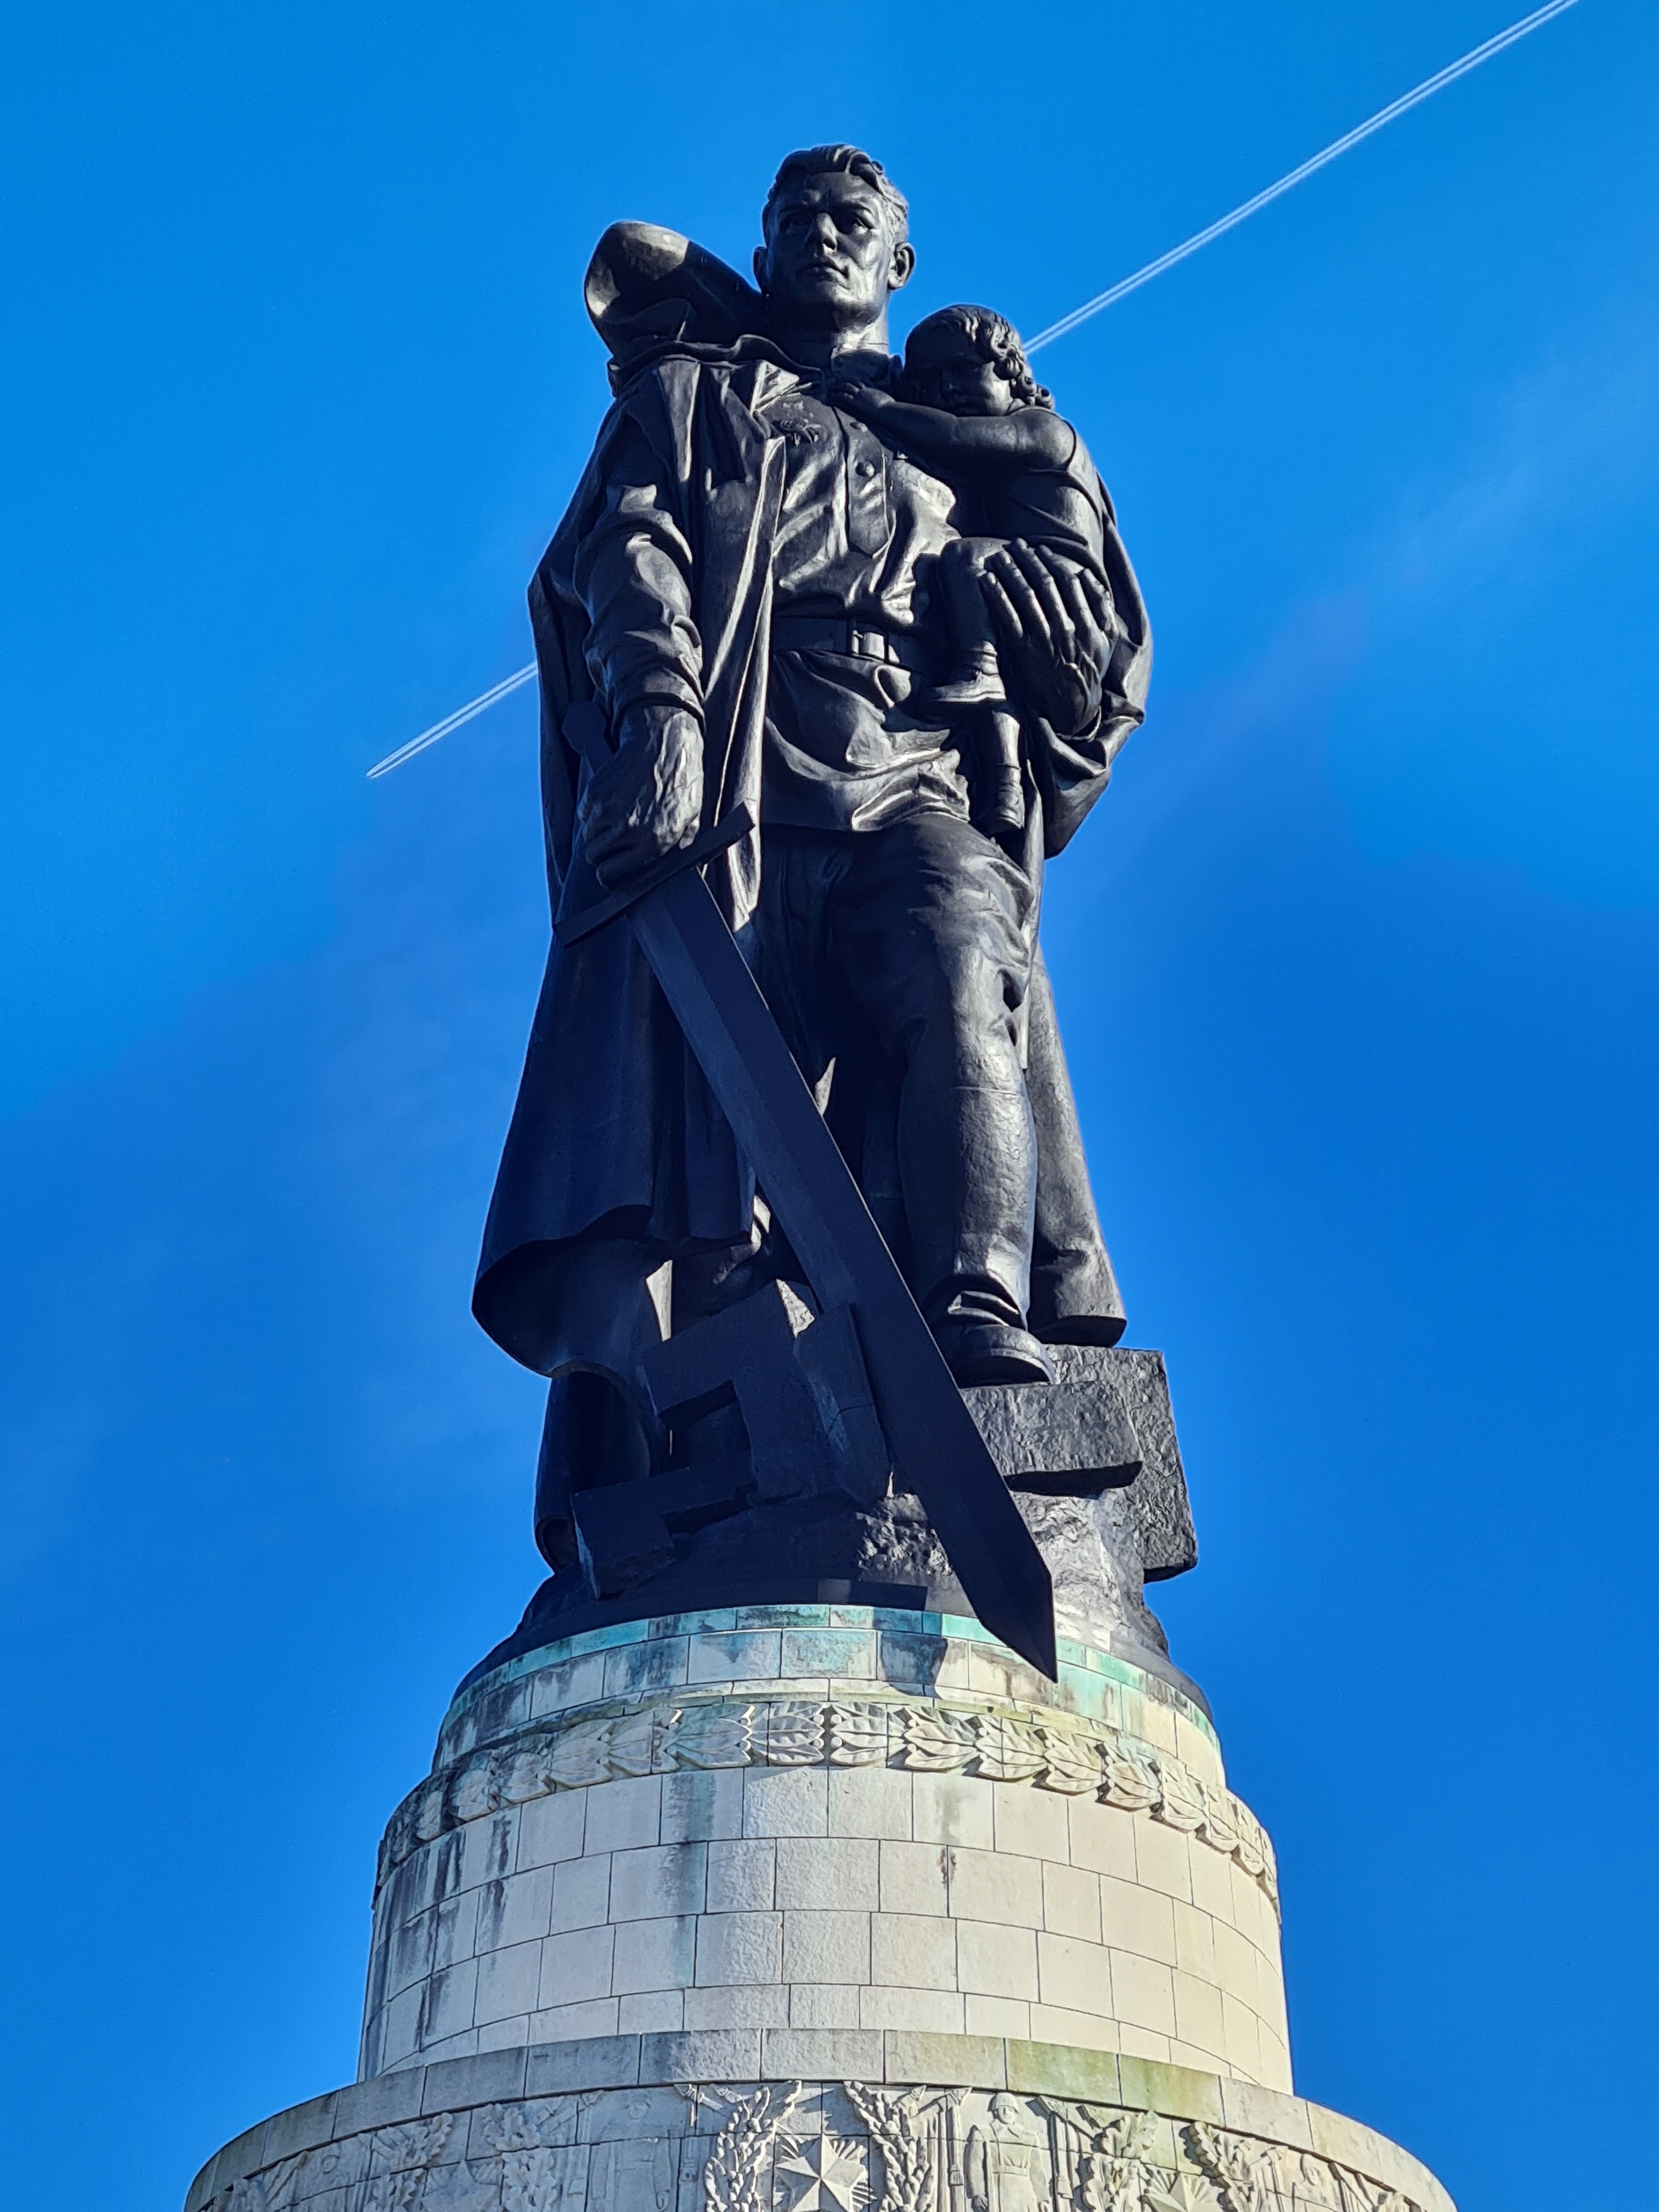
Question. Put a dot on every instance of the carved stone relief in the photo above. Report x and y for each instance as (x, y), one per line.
(925, 1738)
(807, 2146)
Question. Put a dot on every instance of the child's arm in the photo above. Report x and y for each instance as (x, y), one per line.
(1031, 437)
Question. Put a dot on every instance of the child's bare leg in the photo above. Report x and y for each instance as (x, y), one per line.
(976, 679)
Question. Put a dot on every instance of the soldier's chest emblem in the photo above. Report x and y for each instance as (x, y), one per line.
(798, 425)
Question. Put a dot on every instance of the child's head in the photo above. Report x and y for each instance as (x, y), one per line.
(970, 361)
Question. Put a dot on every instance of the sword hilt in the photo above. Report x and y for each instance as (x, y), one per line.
(585, 733)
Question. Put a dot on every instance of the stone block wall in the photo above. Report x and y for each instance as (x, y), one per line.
(826, 1821)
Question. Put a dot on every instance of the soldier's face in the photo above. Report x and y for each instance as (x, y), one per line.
(829, 262)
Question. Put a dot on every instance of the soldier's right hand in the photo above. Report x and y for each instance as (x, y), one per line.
(646, 801)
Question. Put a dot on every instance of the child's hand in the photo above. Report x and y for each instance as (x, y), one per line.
(859, 399)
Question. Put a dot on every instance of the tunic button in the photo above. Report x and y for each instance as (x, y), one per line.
(866, 468)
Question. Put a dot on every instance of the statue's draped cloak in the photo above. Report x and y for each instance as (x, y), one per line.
(617, 1158)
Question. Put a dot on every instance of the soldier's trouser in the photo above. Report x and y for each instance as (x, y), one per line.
(915, 943)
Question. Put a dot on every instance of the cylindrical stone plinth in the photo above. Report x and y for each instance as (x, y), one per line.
(815, 1909)
(806, 1818)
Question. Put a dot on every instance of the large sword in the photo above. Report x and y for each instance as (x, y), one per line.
(938, 1452)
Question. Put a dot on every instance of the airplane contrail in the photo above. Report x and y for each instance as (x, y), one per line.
(1476, 55)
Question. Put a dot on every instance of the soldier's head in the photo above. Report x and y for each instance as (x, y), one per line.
(835, 249)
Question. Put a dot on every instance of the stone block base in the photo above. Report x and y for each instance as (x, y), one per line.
(793, 2121)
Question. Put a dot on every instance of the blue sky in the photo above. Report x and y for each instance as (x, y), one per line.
(1357, 964)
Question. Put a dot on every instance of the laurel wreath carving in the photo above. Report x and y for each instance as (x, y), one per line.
(582, 1748)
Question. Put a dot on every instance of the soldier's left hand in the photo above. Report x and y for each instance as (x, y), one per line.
(1055, 628)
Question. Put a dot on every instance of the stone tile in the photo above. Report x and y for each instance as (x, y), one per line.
(1213, 1884)
(1196, 1752)
(489, 1848)
(654, 2012)
(447, 2003)
(654, 1954)
(989, 1886)
(1194, 1936)
(947, 2058)
(514, 1910)
(754, 1657)
(697, 1806)
(993, 1960)
(1032, 1822)
(624, 1816)
(826, 1946)
(454, 1935)
(1074, 1975)
(558, 2023)
(576, 1968)
(1142, 2043)
(1071, 1901)
(1080, 2032)
(1198, 2014)
(831, 1873)
(913, 1951)
(508, 1983)
(657, 1883)
(1102, 1838)
(949, 1809)
(740, 1947)
(849, 1652)
(869, 1801)
(301, 2127)
(761, 2005)
(658, 1663)
(1243, 2031)
(1164, 1857)
(997, 2016)
(1136, 1919)
(786, 1801)
(1190, 2055)
(408, 1955)
(497, 2077)
(1236, 1966)
(1253, 2110)
(1063, 2065)
(909, 1661)
(705, 2055)
(1155, 1724)
(400, 2025)
(916, 1878)
(556, 1689)
(510, 2034)
(1143, 1993)
(742, 1877)
(797, 1613)
(463, 2046)
(1151, 2083)
(823, 2006)
(385, 2102)
(807, 2054)
(581, 1894)
(550, 1828)
(931, 2012)
(1275, 2059)
(601, 2062)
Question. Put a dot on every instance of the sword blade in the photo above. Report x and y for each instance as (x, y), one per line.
(938, 1452)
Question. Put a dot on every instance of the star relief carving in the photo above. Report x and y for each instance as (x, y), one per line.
(1181, 2192)
(822, 2173)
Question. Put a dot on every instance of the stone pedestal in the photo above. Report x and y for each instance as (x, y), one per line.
(772, 1908)
(817, 1898)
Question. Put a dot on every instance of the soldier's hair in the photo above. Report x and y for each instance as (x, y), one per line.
(994, 338)
(852, 160)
